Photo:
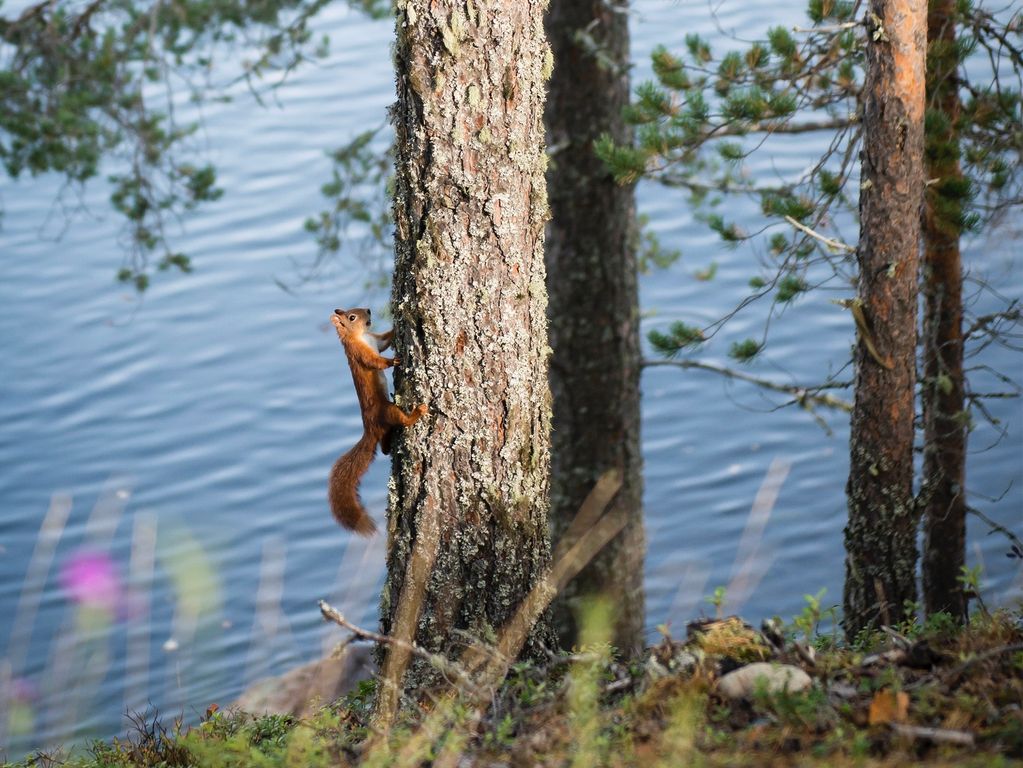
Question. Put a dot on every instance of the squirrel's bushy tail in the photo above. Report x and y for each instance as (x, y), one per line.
(343, 488)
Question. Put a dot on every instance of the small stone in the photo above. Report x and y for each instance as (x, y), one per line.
(843, 691)
(740, 683)
(654, 669)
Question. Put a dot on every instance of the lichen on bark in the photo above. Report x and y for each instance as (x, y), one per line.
(594, 308)
(942, 392)
(468, 532)
(880, 538)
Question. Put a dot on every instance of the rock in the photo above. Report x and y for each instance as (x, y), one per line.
(742, 682)
(304, 689)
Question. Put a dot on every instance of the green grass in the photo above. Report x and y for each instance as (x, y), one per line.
(587, 709)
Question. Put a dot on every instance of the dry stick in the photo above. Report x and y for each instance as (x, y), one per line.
(268, 619)
(882, 602)
(592, 508)
(422, 743)
(744, 580)
(406, 616)
(6, 697)
(515, 631)
(576, 549)
(440, 662)
(565, 568)
(35, 579)
(835, 245)
(141, 566)
(934, 734)
(107, 513)
(827, 30)
(570, 560)
(493, 664)
(353, 584)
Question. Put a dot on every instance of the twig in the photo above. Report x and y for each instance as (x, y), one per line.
(833, 28)
(835, 245)
(957, 670)
(934, 734)
(445, 665)
(701, 188)
(54, 523)
(982, 323)
(802, 395)
(1013, 538)
(746, 562)
(960, 668)
(491, 664)
(767, 126)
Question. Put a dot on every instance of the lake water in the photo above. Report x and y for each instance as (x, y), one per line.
(167, 457)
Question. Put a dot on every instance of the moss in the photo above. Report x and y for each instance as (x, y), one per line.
(548, 64)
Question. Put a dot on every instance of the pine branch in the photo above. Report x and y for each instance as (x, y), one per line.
(702, 187)
(835, 245)
(766, 126)
(804, 396)
(828, 30)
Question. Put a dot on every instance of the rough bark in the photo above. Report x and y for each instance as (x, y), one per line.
(593, 307)
(943, 494)
(880, 538)
(467, 531)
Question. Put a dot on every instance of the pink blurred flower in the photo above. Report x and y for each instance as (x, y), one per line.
(90, 578)
(24, 690)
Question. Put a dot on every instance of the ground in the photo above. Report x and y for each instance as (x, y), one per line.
(933, 694)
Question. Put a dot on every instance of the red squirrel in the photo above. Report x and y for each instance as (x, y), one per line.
(379, 415)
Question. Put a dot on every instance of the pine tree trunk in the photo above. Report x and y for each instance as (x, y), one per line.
(594, 308)
(944, 471)
(880, 538)
(468, 532)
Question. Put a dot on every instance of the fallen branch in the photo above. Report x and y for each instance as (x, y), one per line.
(934, 734)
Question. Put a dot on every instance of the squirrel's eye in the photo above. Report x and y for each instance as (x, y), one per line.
(351, 318)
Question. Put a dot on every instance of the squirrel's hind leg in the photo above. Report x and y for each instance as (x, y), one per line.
(396, 417)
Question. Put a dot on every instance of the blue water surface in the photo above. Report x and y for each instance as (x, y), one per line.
(191, 430)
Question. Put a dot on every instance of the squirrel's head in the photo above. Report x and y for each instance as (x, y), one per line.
(351, 320)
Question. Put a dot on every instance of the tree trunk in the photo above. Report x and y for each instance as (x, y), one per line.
(594, 307)
(943, 493)
(880, 538)
(467, 530)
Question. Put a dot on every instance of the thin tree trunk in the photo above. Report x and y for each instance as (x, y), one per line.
(944, 471)
(880, 538)
(468, 533)
(594, 307)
